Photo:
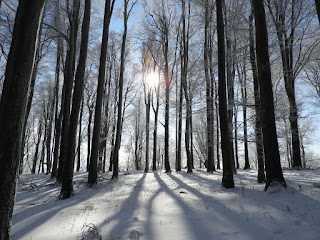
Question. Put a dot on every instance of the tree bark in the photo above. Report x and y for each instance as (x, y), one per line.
(120, 97)
(230, 65)
(67, 85)
(167, 101)
(79, 136)
(227, 179)
(50, 116)
(236, 136)
(30, 97)
(243, 83)
(179, 140)
(14, 103)
(147, 102)
(36, 151)
(58, 116)
(270, 141)
(67, 181)
(209, 97)
(89, 137)
(93, 173)
(258, 129)
(285, 34)
(155, 129)
(218, 127)
(184, 81)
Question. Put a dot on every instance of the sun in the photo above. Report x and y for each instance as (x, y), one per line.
(152, 80)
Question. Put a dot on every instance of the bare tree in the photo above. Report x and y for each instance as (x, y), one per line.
(270, 141)
(126, 15)
(93, 175)
(227, 179)
(209, 86)
(184, 58)
(258, 130)
(73, 17)
(14, 102)
(67, 184)
(290, 18)
(58, 115)
(146, 74)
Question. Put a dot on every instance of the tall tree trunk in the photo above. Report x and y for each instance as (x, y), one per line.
(137, 136)
(67, 85)
(209, 99)
(49, 133)
(30, 97)
(79, 136)
(167, 103)
(304, 163)
(227, 179)
(184, 81)
(258, 129)
(89, 137)
(230, 64)
(285, 34)
(58, 116)
(236, 136)
(36, 151)
(148, 101)
(43, 147)
(218, 127)
(113, 136)
(13, 103)
(270, 141)
(106, 115)
(155, 129)
(120, 98)
(191, 134)
(67, 181)
(243, 83)
(178, 158)
(93, 174)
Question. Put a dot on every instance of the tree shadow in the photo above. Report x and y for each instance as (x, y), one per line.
(125, 215)
(188, 212)
(278, 204)
(224, 212)
(34, 221)
(38, 214)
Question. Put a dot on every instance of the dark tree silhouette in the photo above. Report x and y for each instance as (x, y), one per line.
(73, 15)
(227, 179)
(93, 174)
(258, 130)
(67, 185)
(270, 141)
(13, 103)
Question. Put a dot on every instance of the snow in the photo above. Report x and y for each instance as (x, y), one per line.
(160, 206)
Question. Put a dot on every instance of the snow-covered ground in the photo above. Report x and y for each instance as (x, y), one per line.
(171, 206)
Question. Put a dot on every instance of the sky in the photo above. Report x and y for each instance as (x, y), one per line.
(117, 25)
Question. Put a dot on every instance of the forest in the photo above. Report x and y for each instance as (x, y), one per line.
(99, 95)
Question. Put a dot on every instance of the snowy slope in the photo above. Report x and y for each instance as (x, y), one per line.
(160, 206)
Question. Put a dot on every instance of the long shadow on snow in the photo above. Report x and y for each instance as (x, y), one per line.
(55, 207)
(197, 177)
(124, 216)
(255, 198)
(188, 212)
(228, 217)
